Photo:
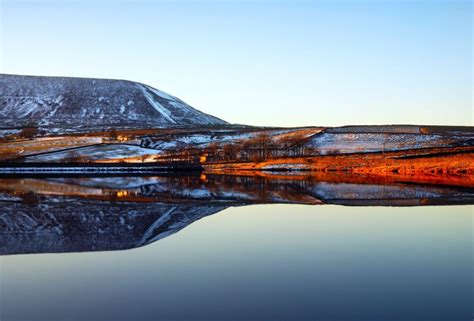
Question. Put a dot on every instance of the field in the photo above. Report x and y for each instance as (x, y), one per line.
(414, 154)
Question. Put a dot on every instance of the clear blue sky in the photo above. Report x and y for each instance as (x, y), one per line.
(283, 63)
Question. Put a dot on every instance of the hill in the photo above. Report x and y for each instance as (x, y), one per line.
(30, 101)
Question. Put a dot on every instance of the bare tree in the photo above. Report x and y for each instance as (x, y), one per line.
(29, 132)
(212, 151)
(113, 133)
(230, 152)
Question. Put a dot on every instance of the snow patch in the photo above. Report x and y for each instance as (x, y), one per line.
(158, 107)
(162, 94)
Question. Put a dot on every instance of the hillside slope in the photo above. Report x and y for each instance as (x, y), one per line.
(73, 102)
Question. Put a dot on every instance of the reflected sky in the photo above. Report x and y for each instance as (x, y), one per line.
(263, 262)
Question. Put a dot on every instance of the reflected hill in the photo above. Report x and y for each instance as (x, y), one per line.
(75, 214)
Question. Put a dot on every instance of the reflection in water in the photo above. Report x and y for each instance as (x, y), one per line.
(73, 214)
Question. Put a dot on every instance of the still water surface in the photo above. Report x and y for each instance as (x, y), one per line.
(255, 262)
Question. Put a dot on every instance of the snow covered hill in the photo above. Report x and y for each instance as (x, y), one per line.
(74, 102)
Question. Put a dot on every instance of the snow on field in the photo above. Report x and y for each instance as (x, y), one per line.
(346, 191)
(8, 132)
(9, 198)
(286, 166)
(195, 140)
(116, 182)
(332, 143)
(98, 152)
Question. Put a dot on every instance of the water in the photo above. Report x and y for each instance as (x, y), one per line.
(213, 248)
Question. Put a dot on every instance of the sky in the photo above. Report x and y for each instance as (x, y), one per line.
(273, 63)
